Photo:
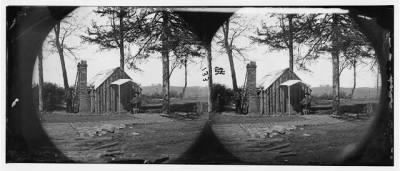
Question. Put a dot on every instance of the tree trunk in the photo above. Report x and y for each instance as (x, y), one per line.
(68, 95)
(335, 67)
(377, 81)
(228, 48)
(121, 44)
(210, 81)
(184, 87)
(40, 86)
(290, 17)
(165, 63)
(354, 79)
(121, 53)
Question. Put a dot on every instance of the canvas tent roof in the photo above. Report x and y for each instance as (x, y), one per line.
(270, 78)
(100, 77)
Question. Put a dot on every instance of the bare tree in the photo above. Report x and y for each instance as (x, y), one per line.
(61, 32)
(179, 63)
(231, 30)
(355, 48)
(354, 56)
(60, 48)
(184, 55)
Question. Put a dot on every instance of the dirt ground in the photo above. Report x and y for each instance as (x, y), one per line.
(124, 137)
(149, 137)
(293, 140)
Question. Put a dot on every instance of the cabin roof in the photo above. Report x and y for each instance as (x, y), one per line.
(100, 77)
(270, 78)
(121, 81)
(290, 82)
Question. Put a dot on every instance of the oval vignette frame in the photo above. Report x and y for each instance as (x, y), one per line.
(24, 130)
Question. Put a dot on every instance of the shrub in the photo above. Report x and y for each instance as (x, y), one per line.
(221, 97)
(53, 96)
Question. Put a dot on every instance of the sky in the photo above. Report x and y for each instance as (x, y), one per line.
(267, 60)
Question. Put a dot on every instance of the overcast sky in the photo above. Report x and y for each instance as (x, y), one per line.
(266, 59)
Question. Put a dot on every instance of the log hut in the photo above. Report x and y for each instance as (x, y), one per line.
(278, 92)
(109, 91)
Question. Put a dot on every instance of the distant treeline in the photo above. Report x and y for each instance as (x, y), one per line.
(193, 91)
(322, 91)
(158, 95)
(325, 92)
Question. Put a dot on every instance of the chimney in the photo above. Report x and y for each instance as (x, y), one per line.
(82, 87)
(251, 87)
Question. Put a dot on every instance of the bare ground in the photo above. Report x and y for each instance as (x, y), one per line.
(316, 139)
(143, 137)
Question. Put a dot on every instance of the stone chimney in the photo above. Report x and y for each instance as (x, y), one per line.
(82, 87)
(251, 87)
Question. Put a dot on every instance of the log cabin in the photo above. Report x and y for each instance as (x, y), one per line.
(278, 92)
(109, 91)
